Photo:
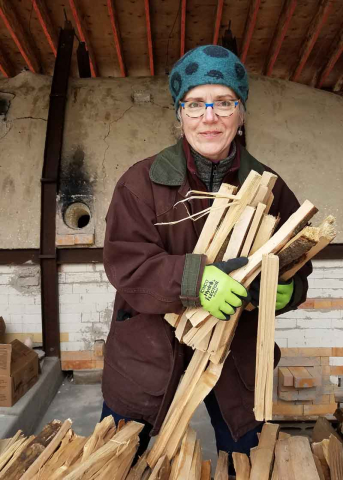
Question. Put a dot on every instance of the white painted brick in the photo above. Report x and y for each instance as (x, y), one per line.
(333, 273)
(337, 323)
(7, 269)
(70, 318)
(5, 279)
(67, 298)
(34, 319)
(37, 300)
(8, 290)
(103, 306)
(317, 273)
(316, 293)
(97, 298)
(99, 267)
(315, 323)
(32, 328)
(73, 268)
(282, 342)
(20, 300)
(285, 323)
(310, 314)
(334, 379)
(15, 309)
(90, 317)
(336, 361)
(14, 327)
(335, 263)
(33, 309)
(61, 278)
(78, 308)
(93, 288)
(83, 277)
(28, 281)
(327, 283)
(106, 315)
(73, 327)
(81, 336)
(333, 293)
(100, 330)
(65, 288)
(72, 346)
(3, 299)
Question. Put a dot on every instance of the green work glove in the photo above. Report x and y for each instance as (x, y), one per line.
(284, 293)
(219, 293)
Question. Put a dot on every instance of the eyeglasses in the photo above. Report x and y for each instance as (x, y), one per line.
(222, 108)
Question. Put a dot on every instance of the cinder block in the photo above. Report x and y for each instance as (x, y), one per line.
(33, 309)
(84, 277)
(70, 318)
(78, 308)
(74, 268)
(69, 298)
(92, 288)
(20, 300)
(90, 317)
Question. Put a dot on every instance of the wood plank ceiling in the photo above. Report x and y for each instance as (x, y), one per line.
(299, 40)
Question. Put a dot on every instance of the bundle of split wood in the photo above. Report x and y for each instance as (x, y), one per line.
(239, 224)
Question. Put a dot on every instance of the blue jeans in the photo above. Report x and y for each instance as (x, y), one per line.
(223, 435)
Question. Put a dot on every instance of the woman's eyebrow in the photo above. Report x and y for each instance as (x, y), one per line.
(217, 97)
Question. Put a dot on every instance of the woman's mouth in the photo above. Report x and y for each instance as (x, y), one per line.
(210, 134)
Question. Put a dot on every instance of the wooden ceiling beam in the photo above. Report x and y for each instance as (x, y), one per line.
(148, 29)
(338, 85)
(316, 26)
(183, 27)
(279, 35)
(218, 21)
(116, 36)
(6, 68)
(82, 31)
(46, 24)
(336, 52)
(249, 28)
(17, 32)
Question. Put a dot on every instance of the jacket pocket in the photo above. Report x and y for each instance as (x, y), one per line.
(141, 351)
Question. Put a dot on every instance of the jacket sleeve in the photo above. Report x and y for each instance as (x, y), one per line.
(284, 205)
(136, 263)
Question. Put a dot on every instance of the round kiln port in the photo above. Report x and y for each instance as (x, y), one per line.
(77, 215)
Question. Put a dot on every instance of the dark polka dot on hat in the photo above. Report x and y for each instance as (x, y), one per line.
(176, 83)
(191, 68)
(240, 72)
(214, 74)
(216, 51)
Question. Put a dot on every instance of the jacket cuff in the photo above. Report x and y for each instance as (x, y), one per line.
(191, 279)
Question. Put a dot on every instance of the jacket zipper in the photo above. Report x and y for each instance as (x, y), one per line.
(213, 172)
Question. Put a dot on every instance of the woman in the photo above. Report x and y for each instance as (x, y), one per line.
(154, 271)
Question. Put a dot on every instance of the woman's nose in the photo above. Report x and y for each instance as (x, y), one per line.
(209, 115)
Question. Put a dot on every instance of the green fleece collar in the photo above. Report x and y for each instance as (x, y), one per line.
(170, 166)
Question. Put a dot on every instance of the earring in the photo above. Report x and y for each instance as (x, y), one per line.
(240, 131)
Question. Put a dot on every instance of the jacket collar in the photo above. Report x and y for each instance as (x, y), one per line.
(170, 166)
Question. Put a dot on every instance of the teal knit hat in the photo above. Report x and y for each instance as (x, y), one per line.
(208, 64)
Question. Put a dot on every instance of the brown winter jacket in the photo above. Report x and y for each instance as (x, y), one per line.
(147, 266)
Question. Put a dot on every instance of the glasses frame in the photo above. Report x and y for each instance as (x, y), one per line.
(236, 102)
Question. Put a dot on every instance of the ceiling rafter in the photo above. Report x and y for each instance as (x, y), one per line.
(279, 35)
(335, 53)
(83, 34)
(20, 37)
(219, 15)
(116, 36)
(249, 28)
(6, 68)
(183, 27)
(148, 29)
(46, 24)
(338, 87)
(316, 26)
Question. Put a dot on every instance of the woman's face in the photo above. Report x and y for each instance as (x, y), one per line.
(211, 135)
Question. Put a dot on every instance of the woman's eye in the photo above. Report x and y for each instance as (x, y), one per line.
(194, 105)
(225, 103)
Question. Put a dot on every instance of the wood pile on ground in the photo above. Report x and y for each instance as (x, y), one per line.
(108, 454)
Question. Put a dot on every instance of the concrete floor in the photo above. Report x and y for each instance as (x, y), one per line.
(83, 404)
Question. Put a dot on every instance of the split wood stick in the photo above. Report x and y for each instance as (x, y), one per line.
(184, 393)
(319, 467)
(244, 197)
(242, 466)
(117, 444)
(196, 367)
(172, 318)
(206, 470)
(216, 339)
(226, 339)
(253, 230)
(203, 345)
(197, 334)
(327, 233)
(73, 457)
(161, 470)
(49, 450)
(265, 338)
(269, 203)
(197, 315)
(261, 195)
(222, 469)
(195, 471)
(317, 449)
(214, 218)
(181, 328)
(265, 232)
(335, 458)
(96, 440)
(302, 458)
(186, 453)
(3, 444)
(283, 461)
(206, 383)
(239, 233)
(16, 454)
(264, 454)
(8, 454)
(117, 467)
(137, 471)
(174, 467)
(10, 441)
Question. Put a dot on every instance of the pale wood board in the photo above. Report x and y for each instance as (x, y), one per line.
(302, 458)
(195, 471)
(253, 230)
(222, 468)
(335, 458)
(186, 453)
(264, 454)
(265, 232)
(242, 466)
(239, 233)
